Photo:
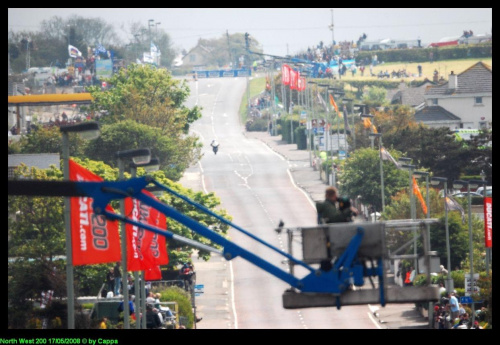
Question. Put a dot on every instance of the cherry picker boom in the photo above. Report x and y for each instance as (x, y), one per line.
(347, 252)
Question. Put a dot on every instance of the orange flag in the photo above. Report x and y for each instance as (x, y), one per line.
(416, 191)
(334, 105)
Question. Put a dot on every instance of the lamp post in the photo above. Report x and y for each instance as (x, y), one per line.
(334, 91)
(369, 116)
(347, 101)
(88, 131)
(372, 136)
(413, 210)
(474, 184)
(139, 157)
(436, 181)
(339, 94)
(428, 215)
(151, 22)
(487, 258)
(311, 111)
(140, 292)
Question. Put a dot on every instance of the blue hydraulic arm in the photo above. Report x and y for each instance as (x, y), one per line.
(336, 280)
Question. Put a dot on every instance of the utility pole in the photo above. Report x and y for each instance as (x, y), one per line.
(229, 48)
(331, 28)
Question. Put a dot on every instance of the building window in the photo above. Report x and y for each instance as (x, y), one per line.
(434, 101)
(483, 125)
(478, 100)
(192, 58)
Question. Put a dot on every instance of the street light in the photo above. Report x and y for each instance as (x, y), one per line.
(487, 259)
(138, 156)
(458, 184)
(436, 181)
(87, 131)
(311, 110)
(348, 101)
(425, 174)
(140, 291)
(413, 210)
(369, 116)
(372, 136)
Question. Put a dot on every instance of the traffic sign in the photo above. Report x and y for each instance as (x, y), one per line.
(466, 300)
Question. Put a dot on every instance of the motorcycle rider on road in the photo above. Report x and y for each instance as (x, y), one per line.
(215, 146)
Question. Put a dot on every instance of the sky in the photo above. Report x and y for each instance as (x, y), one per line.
(280, 31)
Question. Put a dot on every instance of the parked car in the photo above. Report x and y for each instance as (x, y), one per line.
(466, 195)
(489, 191)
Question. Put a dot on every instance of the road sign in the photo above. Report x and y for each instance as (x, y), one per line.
(468, 285)
(466, 300)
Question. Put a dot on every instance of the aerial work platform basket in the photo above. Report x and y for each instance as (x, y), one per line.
(350, 262)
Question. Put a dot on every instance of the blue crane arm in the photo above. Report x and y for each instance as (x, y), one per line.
(333, 281)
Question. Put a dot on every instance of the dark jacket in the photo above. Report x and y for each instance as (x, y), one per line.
(328, 213)
(152, 319)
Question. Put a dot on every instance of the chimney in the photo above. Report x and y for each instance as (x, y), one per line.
(453, 81)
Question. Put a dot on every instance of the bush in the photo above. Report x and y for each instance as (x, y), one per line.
(183, 299)
(256, 125)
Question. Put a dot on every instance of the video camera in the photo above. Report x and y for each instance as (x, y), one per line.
(344, 202)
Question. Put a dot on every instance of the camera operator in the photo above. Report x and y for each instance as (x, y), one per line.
(328, 212)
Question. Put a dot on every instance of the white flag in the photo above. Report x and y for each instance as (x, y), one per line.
(73, 51)
(147, 58)
(387, 156)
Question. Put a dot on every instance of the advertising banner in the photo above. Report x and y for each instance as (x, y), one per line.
(488, 222)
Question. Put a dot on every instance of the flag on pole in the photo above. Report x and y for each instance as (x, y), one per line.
(294, 76)
(346, 123)
(452, 204)
(155, 50)
(334, 105)
(95, 239)
(387, 156)
(99, 48)
(145, 249)
(322, 102)
(147, 58)
(285, 74)
(416, 191)
(73, 51)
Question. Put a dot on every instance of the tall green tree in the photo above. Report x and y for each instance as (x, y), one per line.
(359, 177)
(175, 151)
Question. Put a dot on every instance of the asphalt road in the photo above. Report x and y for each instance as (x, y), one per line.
(256, 185)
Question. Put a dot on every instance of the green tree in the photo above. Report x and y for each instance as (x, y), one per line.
(375, 97)
(432, 148)
(147, 95)
(175, 151)
(47, 140)
(360, 176)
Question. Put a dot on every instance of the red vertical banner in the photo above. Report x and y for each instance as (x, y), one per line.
(301, 84)
(488, 222)
(285, 74)
(137, 237)
(145, 249)
(95, 239)
(294, 76)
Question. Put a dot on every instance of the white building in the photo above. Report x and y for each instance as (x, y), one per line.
(466, 101)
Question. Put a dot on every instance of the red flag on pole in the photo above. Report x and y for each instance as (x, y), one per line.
(95, 239)
(145, 249)
(285, 74)
(294, 76)
(301, 84)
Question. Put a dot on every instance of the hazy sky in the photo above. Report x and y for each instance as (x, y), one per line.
(280, 31)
